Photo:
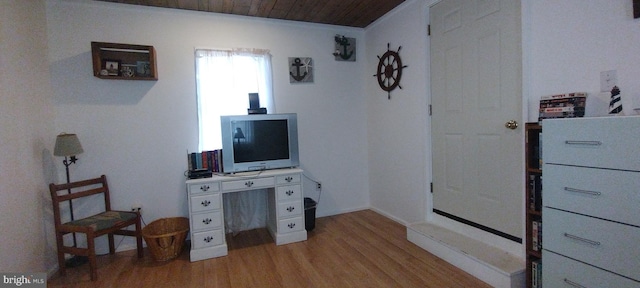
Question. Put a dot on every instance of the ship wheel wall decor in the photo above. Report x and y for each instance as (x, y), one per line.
(389, 70)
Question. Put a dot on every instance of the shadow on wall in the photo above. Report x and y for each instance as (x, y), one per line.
(73, 83)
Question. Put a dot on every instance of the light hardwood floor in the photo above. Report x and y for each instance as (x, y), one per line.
(358, 249)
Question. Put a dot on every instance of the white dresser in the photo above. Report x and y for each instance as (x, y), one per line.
(591, 202)
(285, 213)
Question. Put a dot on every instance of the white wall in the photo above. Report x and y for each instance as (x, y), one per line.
(572, 41)
(398, 127)
(138, 132)
(26, 138)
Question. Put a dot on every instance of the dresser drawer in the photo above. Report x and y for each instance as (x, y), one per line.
(289, 209)
(205, 202)
(601, 243)
(608, 194)
(209, 220)
(207, 239)
(559, 271)
(290, 225)
(245, 184)
(608, 142)
(204, 187)
(288, 193)
(286, 179)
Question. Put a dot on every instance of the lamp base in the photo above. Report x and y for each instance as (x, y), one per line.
(76, 261)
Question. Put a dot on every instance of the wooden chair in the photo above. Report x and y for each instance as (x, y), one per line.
(109, 222)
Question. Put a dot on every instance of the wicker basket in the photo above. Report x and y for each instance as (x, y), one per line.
(165, 237)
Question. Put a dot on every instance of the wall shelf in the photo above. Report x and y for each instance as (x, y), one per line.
(124, 61)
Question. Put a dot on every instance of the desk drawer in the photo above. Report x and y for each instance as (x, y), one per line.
(209, 220)
(205, 202)
(604, 244)
(246, 184)
(607, 142)
(290, 225)
(207, 239)
(204, 187)
(288, 193)
(559, 271)
(289, 209)
(287, 179)
(608, 194)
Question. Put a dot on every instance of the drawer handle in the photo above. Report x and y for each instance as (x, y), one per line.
(208, 239)
(578, 238)
(206, 221)
(204, 188)
(291, 225)
(289, 179)
(594, 193)
(290, 208)
(289, 192)
(573, 284)
(205, 203)
(248, 183)
(587, 143)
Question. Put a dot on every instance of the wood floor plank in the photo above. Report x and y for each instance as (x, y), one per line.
(358, 249)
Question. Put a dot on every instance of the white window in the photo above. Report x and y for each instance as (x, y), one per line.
(224, 79)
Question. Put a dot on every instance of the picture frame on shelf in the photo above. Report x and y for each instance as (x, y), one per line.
(143, 68)
(112, 67)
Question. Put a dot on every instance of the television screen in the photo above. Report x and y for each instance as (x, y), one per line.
(259, 142)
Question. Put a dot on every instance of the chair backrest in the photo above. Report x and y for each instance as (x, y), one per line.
(79, 189)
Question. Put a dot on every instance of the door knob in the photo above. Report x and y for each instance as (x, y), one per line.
(511, 124)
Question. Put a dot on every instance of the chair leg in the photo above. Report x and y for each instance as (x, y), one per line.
(112, 246)
(93, 266)
(61, 262)
(139, 237)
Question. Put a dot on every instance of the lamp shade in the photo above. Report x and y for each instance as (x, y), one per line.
(67, 145)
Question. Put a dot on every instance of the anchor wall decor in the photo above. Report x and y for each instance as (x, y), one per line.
(345, 48)
(389, 70)
(300, 70)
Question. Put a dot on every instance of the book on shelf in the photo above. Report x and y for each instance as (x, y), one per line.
(535, 192)
(205, 161)
(536, 235)
(536, 273)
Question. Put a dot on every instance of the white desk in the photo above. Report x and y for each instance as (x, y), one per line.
(285, 213)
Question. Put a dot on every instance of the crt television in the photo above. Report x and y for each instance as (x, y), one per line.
(259, 142)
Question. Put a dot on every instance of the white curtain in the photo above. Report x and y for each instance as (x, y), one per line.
(224, 79)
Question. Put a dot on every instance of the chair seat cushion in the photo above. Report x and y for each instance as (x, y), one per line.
(104, 220)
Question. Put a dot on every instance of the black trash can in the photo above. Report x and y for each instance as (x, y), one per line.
(309, 213)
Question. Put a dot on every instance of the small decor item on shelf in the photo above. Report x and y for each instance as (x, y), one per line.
(615, 106)
(300, 70)
(112, 67)
(569, 105)
(390, 70)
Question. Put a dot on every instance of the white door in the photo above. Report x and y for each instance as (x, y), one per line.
(476, 76)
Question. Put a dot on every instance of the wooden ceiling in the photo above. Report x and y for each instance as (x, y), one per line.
(352, 13)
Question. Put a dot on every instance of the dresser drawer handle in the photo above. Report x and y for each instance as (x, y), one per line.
(577, 238)
(206, 221)
(291, 225)
(205, 203)
(573, 284)
(289, 192)
(290, 208)
(289, 179)
(248, 183)
(204, 188)
(586, 143)
(594, 193)
(208, 239)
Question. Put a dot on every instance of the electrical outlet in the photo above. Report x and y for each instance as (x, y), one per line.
(608, 79)
(318, 186)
